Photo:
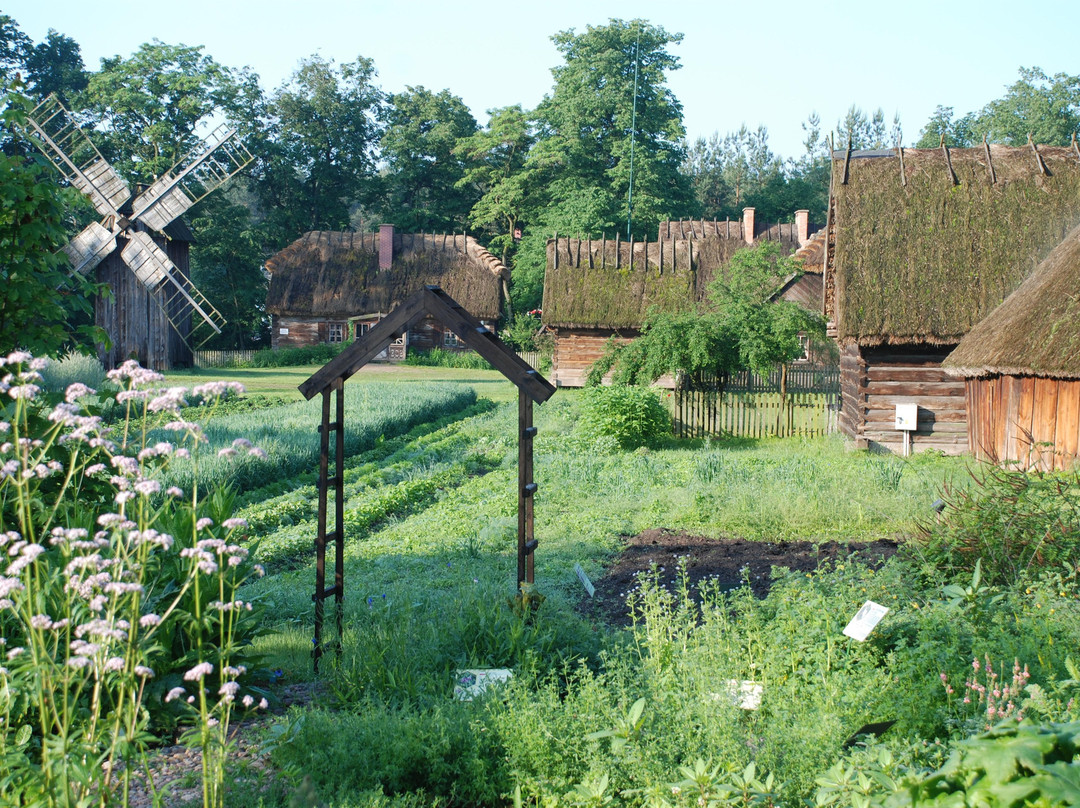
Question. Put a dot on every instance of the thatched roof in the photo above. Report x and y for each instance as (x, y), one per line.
(593, 284)
(812, 254)
(337, 275)
(1036, 331)
(922, 257)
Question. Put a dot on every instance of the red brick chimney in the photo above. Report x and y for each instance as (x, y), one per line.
(748, 225)
(386, 246)
(802, 226)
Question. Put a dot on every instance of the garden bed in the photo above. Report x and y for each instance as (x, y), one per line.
(722, 560)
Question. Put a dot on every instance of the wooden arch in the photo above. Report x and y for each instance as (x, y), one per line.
(329, 381)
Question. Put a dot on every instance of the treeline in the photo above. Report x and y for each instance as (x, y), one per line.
(335, 151)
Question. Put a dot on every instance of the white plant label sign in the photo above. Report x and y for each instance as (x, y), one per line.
(472, 682)
(585, 582)
(865, 620)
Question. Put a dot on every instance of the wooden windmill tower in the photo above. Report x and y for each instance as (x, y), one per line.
(150, 313)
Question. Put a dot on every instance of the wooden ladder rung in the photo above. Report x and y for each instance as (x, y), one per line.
(326, 593)
(333, 426)
(531, 546)
(332, 481)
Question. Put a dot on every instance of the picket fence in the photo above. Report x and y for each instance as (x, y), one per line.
(747, 405)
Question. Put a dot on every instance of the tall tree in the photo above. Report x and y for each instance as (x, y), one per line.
(423, 170)
(867, 132)
(957, 132)
(56, 66)
(148, 106)
(318, 155)
(39, 297)
(1046, 107)
(15, 46)
(592, 122)
(494, 159)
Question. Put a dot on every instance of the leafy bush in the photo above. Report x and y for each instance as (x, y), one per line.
(633, 416)
(291, 357)
(437, 357)
(73, 367)
(1013, 522)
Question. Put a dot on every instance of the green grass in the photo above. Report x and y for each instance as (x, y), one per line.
(285, 381)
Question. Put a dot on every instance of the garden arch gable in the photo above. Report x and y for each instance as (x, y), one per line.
(329, 381)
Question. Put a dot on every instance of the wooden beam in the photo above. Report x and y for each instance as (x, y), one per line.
(346, 363)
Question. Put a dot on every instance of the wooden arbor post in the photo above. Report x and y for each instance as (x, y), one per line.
(330, 379)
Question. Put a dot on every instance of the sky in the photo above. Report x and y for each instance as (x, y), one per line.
(769, 63)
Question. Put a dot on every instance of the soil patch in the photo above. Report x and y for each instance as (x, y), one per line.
(721, 559)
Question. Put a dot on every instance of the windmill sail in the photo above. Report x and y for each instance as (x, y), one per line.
(51, 128)
(200, 172)
(90, 247)
(179, 298)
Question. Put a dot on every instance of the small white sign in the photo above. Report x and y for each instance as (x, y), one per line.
(585, 582)
(907, 417)
(283, 331)
(865, 620)
(472, 682)
(744, 694)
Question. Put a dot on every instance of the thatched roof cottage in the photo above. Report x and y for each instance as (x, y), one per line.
(596, 289)
(921, 245)
(331, 286)
(1021, 366)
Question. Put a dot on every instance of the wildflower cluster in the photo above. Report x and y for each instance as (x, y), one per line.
(112, 590)
(994, 699)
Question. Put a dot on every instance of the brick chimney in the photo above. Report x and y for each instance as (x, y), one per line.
(386, 246)
(802, 226)
(748, 225)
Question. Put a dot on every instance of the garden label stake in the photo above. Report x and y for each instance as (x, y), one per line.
(330, 379)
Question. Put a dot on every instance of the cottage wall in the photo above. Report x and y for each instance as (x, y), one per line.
(1025, 421)
(295, 332)
(576, 351)
(873, 380)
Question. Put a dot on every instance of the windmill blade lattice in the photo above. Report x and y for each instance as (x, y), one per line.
(90, 247)
(179, 298)
(53, 130)
(201, 172)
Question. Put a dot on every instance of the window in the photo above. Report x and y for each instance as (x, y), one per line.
(335, 332)
(450, 339)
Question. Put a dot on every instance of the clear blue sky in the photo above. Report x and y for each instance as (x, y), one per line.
(770, 63)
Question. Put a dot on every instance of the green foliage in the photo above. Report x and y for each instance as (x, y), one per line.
(741, 328)
(38, 295)
(633, 416)
(439, 358)
(71, 368)
(293, 357)
(1010, 523)
(424, 191)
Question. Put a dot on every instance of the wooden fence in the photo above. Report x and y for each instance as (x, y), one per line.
(750, 406)
(223, 359)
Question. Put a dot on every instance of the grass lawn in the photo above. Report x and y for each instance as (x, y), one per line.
(284, 381)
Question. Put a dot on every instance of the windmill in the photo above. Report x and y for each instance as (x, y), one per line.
(127, 221)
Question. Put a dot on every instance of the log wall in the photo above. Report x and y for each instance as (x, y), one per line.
(873, 380)
(575, 352)
(1024, 421)
(133, 318)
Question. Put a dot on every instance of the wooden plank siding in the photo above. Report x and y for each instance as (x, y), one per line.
(1024, 421)
(873, 380)
(575, 352)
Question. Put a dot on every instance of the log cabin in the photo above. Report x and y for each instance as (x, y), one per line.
(922, 244)
(330, 287)
(1021, 369)
(601, 289)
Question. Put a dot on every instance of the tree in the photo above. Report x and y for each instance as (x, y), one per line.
(226, 266)
(741, 327)
(593, 119)
(56, 66)
(864, 132)
(147, 107)
(1046, 107)
(423, 170)
(317, 155)
(494, 158)
(14, 48)
(956, 132)
(38, 295)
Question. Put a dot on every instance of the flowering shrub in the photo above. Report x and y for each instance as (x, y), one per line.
(117, 598)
